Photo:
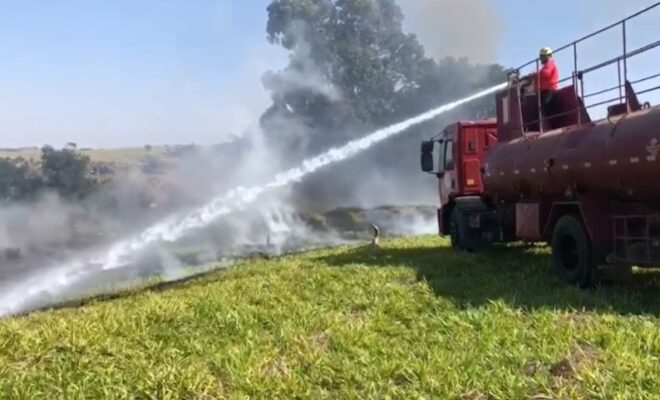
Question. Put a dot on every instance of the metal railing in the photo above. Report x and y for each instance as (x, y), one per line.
(636, 239)
(577, 75)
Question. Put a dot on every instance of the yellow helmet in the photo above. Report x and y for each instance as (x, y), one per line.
(546, 51)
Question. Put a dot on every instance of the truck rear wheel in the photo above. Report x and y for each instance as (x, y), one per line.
(571, 251)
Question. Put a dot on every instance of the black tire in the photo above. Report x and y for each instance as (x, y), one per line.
(572, 257)
(454, 235)
(457, 231)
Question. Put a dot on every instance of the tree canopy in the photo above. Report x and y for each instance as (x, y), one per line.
(351, 65)
(65, 171)
(352, 69)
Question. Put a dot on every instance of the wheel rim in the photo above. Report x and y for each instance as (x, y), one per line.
(568, 252)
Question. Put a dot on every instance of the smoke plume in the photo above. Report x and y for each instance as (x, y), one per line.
(456, 28)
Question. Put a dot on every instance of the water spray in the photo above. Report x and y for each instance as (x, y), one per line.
(22, 296)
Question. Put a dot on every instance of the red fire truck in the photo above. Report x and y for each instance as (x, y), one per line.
(588, 188)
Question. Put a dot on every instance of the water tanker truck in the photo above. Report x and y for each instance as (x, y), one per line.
(588, 188)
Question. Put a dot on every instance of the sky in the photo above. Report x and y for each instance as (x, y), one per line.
(134, 72)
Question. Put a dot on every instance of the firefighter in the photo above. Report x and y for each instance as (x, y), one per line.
(548, 81)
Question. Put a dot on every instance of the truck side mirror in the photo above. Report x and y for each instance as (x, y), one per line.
(427, 156)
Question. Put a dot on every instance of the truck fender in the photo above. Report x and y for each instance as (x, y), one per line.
(595, 216)
(558, 210)
(470, 211)
(593, 213)
(464, 204)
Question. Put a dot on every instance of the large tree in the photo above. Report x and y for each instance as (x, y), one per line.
(350, 64)
(351, 69)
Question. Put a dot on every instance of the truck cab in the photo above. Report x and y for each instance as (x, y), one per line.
(459, 149)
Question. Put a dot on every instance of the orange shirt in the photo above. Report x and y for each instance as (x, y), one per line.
(549, 76)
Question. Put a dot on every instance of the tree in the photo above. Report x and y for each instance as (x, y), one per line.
(377, 74)
(352, 69)
(66, 171)
(18, 181)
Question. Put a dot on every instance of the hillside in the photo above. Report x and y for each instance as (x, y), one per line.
(122, 155)
(411, 320)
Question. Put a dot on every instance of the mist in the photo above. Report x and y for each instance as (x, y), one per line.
(476, 27)
(266, 136)
(38, 236)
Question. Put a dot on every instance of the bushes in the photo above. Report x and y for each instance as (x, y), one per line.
(65, 171)
(18, 179)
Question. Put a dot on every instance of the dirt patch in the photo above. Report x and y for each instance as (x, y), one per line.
(277, 367)
(562, 369)
(321, 341)
(356, 318)
(587, 353)
(531, 368)
(581, 356)
(565, 371)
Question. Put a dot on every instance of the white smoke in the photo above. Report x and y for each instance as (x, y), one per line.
(231, 225)
(456, 28)
(190, 179)
(50, 283)
(404, 221)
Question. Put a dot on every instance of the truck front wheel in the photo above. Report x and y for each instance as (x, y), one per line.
(457, 231)
(571, 251)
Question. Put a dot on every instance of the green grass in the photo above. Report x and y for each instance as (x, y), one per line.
(412, 320)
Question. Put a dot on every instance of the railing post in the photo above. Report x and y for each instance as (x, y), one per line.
(578, 110)
(625, 61)
(538, 96)
(575, 84)
(581, 78)
(618, 67)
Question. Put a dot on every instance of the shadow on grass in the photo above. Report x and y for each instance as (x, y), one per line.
(518, 275)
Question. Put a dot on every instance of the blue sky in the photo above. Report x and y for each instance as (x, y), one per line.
(131, 72)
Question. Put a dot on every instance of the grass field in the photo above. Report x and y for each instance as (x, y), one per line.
(412, 320)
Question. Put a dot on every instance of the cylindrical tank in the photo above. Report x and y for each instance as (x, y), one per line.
(618, 158)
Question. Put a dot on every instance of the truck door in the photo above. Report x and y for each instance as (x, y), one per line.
(448, 174)
(476, 141)
(471, 160)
